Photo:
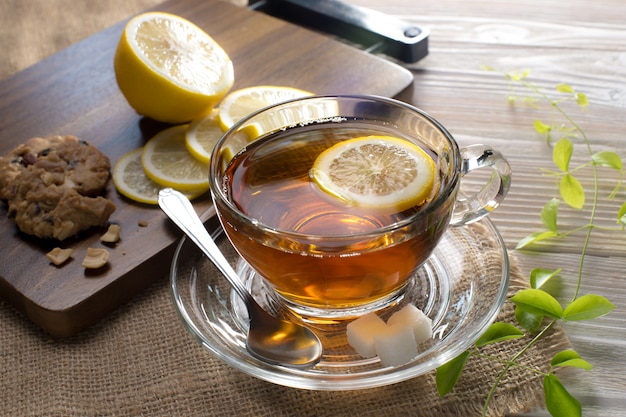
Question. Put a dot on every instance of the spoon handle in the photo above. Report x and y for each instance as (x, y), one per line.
(179, 209)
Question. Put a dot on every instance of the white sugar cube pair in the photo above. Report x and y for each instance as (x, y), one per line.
(395, 342)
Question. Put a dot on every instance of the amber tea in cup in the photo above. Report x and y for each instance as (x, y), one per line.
(325, 257)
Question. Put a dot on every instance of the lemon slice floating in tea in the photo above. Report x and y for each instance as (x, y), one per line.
(379, 172)
(240, 103)
(167, 161)
(131, 181)
(169, 69)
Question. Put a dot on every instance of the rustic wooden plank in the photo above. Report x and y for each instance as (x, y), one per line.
(454, 86)
(580, 45)
(575, 12)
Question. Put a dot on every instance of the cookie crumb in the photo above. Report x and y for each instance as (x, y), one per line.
(95, 258)
(142, 223)
(112, 235)
(59, 256)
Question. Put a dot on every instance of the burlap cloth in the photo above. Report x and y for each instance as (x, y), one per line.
(141, 361)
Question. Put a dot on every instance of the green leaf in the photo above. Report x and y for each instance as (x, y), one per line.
(538, 302)
(448, 374)
(559, 402)
(499, 332)
(567, 131)
(565, 88)
(529, 321)
(532, 102)
(548, 214)
(562, 153)
(587, 307)
(570, 358)
(608, 159)
(542, 128)
(540, 276)
(572, 191)
(535, 237)
(517, 75)
(582, 100)
(621, 214)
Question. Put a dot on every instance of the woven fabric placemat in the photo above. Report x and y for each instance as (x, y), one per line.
(141, 361)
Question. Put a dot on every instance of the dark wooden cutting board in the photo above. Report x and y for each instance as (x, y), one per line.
(74, 92)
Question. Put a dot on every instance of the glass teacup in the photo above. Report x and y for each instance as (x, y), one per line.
(326, 259)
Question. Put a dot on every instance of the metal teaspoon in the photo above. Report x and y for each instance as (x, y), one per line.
(269, 339)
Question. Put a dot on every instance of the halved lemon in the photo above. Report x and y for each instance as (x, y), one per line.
(169, 69)
(381, 172)
(131, 180)
(240, 103)
(166, 161)
(202, 135)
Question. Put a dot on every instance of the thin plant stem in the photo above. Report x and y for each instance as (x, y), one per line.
(513, 360)
(596, 188)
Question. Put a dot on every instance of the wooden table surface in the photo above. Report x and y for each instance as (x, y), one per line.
(577, 42)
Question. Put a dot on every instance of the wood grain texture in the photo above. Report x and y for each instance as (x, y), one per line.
(74, 92)
(578, 43)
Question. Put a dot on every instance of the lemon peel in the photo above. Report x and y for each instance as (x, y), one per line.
(166, 161)
(240, 103)
(131, 181)
(202, 135)
(169, 69)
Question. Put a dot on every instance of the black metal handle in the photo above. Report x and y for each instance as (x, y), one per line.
(374, 31)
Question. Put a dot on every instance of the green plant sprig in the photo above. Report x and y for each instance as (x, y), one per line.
(536, 310)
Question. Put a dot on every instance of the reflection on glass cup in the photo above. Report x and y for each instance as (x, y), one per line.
(327, 259)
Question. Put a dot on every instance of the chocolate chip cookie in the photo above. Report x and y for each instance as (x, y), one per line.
(53, 186)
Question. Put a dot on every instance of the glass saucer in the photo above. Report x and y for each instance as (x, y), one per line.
(461, 287)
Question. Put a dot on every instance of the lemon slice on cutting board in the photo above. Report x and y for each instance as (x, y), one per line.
(202, 135)
(169, 69)
(379, 172)
(132, 182)
(240, 103)
(167, 161)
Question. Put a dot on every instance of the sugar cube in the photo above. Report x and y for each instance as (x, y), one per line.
(361, 333)
(416, 319)
(395, 345)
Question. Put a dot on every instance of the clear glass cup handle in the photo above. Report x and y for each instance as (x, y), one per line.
(471, 208)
